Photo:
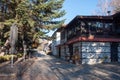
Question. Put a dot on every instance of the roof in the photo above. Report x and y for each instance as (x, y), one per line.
(116, 14)
(59, 29)
(91, 18)
(95, 17)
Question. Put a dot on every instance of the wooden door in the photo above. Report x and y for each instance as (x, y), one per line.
(114, 52)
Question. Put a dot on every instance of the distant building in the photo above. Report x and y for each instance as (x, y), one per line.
(44, 44)
(97, 38)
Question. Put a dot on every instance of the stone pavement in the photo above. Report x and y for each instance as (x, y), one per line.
(50, 68)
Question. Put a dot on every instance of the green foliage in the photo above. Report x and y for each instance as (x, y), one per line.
(1, 43)
(40, 13)
(32, 14)
(9, 22)
(6, 58)
(19, 55)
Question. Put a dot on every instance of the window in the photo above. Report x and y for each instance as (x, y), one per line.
(99, 24)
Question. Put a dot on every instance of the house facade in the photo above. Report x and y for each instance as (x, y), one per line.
(95, 37)
(55, 42)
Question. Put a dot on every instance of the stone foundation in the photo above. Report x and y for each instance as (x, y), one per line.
(95, 52)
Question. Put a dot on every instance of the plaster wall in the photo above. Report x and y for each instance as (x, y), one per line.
(55, 42)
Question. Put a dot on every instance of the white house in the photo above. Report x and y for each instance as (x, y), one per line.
(55, 42)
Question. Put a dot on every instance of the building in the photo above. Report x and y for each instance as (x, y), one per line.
(95, 37)
(44, 44)
(56, 41)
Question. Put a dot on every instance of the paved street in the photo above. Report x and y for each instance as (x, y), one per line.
(44, 67)
(49, 68)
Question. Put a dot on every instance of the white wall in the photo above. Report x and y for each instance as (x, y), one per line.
(53, 48)
(55, 42)
(57, 38)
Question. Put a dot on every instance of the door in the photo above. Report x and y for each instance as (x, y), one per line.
(70, 50)
(59, 51)
(114, 52)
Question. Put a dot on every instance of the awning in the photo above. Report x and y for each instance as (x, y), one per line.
(88, 39)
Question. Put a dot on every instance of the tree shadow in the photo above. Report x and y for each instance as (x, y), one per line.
(50, 67)
(36, 53)
(67, 71)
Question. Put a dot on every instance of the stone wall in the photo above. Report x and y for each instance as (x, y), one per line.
(95, 52)
(119, 53)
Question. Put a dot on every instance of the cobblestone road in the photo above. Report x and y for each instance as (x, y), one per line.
(49, 68)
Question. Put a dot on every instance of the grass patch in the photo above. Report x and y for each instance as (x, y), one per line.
(8, 57)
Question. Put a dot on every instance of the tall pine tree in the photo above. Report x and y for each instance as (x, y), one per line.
(32, 16)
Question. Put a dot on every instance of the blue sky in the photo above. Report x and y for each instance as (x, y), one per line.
(77, 7)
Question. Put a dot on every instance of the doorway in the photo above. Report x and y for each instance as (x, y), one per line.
(59, 51)
(71, 50)
(114, 52)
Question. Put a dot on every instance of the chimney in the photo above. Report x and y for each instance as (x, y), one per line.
(108, 13)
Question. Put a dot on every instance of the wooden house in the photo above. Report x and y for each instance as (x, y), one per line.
(97, 38)
(56, 42)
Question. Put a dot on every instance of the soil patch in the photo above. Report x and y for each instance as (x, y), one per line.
(13, 73)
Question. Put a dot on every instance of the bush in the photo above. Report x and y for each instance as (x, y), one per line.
(7, 58)
(4, 58)
(19, 55)
(1, 43)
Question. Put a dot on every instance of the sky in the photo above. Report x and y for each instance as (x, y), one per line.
(77, 7)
